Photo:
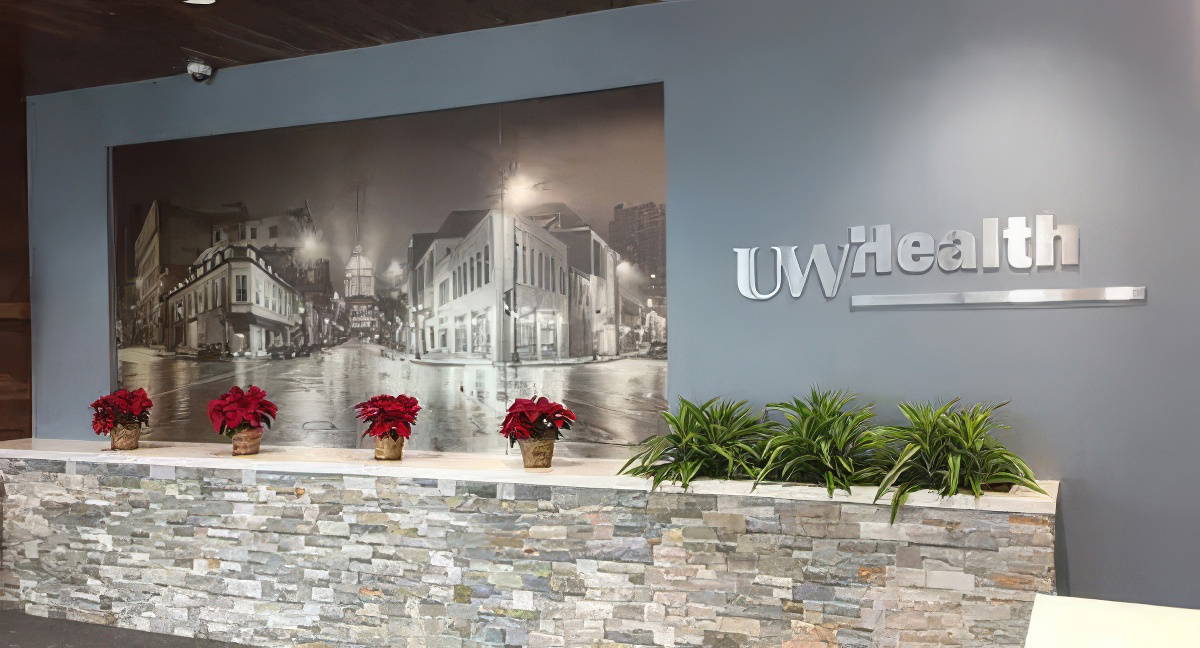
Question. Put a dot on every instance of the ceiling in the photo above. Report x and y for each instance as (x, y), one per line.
(67, 44)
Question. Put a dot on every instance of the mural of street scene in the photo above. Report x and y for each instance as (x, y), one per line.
(466, 257)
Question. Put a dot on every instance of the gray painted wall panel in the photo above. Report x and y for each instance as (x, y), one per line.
(787, 122)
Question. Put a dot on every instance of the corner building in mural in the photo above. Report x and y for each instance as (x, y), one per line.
(555, 284)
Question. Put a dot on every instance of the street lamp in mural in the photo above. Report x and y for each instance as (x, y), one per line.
(415, 331)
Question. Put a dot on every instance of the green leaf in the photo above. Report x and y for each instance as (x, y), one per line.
(901, 464)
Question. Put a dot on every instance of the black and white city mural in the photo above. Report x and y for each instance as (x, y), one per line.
(466, 257)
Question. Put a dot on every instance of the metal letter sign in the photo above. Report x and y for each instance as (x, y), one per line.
(1018, 244)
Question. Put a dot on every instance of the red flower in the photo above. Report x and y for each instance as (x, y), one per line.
(122, 407)
(391, 416)
(535, 416)
(236, 408)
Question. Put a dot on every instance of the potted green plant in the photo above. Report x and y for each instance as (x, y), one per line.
(536, 424)
(391, 419)
(948, 450)
(121, 415)
(713, 439)
(822, 440)
(241, 416)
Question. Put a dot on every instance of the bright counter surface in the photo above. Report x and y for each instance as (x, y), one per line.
(498, 468)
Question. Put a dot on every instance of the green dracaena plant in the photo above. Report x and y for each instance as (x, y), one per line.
(823, 440)
(712, 439)
(948, 449)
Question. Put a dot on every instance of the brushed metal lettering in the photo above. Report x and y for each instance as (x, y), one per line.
(915, 252)
(1044, 243)
(1047, 234)
(787, 265)
(829, 278)
(879, 248)
(747, 274)
(956, 251)
(1016, 238)
(991, 243)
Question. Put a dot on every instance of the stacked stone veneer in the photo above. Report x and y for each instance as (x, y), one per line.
(281, 558)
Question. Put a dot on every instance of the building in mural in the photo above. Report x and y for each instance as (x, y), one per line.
(455, 288)
(232, 297)
(174, 246)
(639, 234)
(362, 306)
(594, 309)
(557, 286)
(289, 241)
(167, 244)
(360, 275)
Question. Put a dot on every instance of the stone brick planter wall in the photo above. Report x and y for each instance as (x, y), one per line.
(281, 558)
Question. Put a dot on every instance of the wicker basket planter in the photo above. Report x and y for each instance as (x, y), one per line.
(247, 440)
(389, 449)
(124, 436)
(537, 453)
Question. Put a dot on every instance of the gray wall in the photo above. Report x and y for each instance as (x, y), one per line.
(786, 122)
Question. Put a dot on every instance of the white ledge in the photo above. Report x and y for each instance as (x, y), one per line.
(502, 469)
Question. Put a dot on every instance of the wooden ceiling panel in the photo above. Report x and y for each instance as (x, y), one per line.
(67, 44)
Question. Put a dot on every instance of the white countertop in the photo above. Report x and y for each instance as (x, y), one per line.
(1068, 622)
(498, 468)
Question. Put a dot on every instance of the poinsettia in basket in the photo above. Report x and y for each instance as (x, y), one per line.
(536, 423)
(242, 415)
(391, 419)
(121, 415)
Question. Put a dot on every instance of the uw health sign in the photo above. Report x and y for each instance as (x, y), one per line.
(1044, 244)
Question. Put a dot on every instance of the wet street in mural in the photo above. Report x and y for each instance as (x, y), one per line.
(617, 401)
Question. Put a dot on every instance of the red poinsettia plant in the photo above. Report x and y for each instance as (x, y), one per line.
(237, 409)
(536, 418)
(122, 407)
(391, 416)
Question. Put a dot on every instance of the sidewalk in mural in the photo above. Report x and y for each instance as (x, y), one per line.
(618, 401)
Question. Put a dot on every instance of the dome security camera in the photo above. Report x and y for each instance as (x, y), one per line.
(199, 71)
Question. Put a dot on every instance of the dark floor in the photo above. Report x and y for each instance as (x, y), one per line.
(20, 630)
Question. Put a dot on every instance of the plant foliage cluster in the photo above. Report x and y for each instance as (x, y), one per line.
(823, 438)
(714, 439)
